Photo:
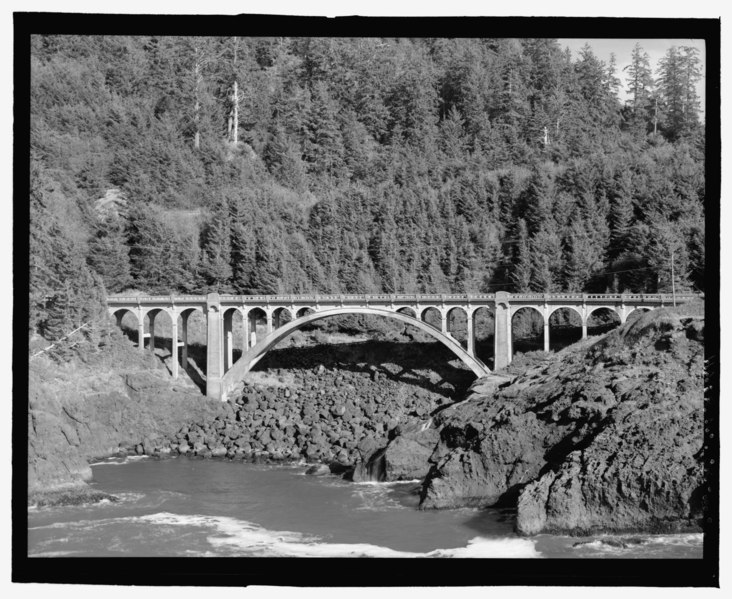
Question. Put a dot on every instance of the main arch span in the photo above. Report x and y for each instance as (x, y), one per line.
(256, 353)
(266, 312)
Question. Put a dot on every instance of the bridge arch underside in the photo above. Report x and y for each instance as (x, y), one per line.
(256, 353)
(527, 329)
(602, 319)
(636, 313)
(457, 325)
(128, 321)
(565, 327)
(432, 316)
(483, 320)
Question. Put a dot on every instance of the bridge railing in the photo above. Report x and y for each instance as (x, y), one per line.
(399, 298)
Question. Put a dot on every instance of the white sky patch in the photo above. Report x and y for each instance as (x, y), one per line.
(623, 48)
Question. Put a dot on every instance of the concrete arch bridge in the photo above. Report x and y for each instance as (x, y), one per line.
(284, 314)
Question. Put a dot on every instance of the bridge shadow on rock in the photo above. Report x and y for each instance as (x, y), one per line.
(402, 362)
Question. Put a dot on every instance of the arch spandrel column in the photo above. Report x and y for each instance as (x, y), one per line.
(151, 315)
(270, 326)
(471, 333)
(140, 329)
(184, 327)
(174, 343)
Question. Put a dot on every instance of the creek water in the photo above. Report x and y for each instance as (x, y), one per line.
(184, 507)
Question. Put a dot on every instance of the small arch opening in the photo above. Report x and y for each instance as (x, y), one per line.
(127, 322)
(602, 320)
(527, 330)
(234, 336)
(407, 311)
(302, 312)
(192, 330)
(432, 317)
(280, 317)
(637, 313)
(457, 325)
(565, 328)
(257, 325)
(484, 326)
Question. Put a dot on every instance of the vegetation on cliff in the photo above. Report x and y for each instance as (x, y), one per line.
(264, 165)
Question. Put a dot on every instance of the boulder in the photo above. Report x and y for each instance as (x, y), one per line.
(318, 470)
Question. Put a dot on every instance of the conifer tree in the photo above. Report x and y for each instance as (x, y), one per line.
(108, 253)
(216, 249)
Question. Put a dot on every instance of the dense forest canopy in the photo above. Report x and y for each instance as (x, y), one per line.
(290, 165)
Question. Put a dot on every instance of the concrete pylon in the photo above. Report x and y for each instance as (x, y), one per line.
(214, 347)
(184, 322)
(174, 345)
(151, 315)
(140, 331)
(502, 332)
(471, 335)
(228, 339)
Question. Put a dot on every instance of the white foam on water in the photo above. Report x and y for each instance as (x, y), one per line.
(390, 483)
(120, 461)
(633, 542)
(51, 553)
(690, 539)
(376, 499)
(231, 535)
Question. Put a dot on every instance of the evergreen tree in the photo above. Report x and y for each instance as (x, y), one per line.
(108, 253)
(215, 264)
(640, 89)
(521, 273)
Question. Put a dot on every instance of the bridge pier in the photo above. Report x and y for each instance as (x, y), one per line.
(228, 339)
(502, 332)
(269, 321)
(214, 350)
(174, 345)
(151, 315)
(184, 323)
(546, 334)
(252, 320)
(471, 336)
(140, 331)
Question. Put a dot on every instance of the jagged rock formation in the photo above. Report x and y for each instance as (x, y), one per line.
(118, 398)
(606, 435)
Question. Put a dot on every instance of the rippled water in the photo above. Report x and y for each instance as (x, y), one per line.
(183, 507)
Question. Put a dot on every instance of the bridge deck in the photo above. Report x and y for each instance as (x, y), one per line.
(400, 298)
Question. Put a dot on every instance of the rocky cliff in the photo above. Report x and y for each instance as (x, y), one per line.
(606, 435)
(119, 398)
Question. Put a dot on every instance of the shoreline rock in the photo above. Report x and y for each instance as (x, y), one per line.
(606, 436)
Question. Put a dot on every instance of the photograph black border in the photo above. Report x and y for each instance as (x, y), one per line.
(348, 572)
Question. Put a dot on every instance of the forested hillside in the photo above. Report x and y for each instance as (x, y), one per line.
(288, 165)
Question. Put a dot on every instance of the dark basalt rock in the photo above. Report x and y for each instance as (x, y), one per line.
(601, 438)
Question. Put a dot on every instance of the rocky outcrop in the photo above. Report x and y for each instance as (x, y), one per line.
(331, 416)
(117, 401)
(604, 436)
